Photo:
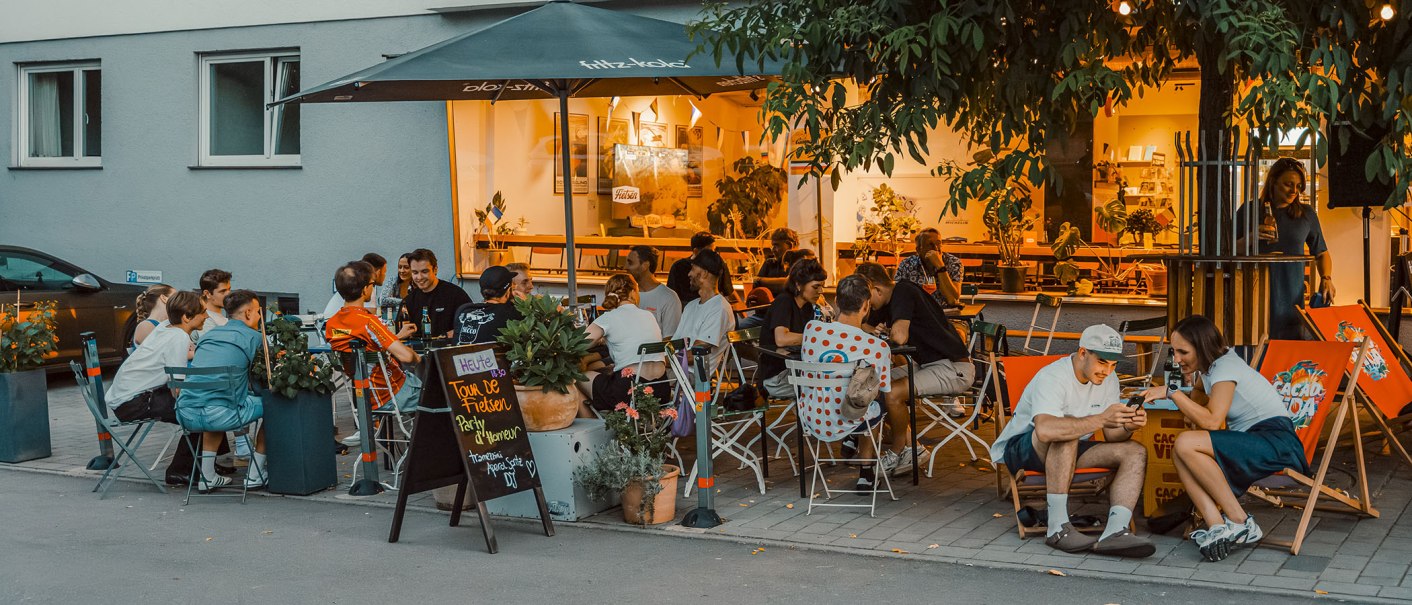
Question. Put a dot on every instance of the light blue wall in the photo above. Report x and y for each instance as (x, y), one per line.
(375, 176)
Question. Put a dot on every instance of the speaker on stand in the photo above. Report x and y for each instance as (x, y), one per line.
(1349, 188)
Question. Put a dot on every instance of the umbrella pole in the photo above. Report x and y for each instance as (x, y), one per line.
(568, 184)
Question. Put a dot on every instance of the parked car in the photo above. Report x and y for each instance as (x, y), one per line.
(86, 302)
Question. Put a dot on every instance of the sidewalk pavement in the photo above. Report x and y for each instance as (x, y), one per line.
(955, 517)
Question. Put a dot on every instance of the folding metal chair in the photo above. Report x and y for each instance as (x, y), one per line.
(987, 344)
(127, 448)
(392, 429)
(669, 350)
(835, 377)
(728, 428)
(224, 378)
(1042, 301)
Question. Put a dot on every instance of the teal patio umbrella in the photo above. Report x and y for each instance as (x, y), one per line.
(558, 50)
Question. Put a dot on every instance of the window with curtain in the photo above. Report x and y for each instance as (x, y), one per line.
(61, 115)
(238, 128)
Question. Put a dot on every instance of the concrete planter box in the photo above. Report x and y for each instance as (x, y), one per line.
(299, 443)
(24, 416)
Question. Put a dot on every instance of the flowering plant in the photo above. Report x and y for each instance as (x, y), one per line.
(293, 367)
(640, 432)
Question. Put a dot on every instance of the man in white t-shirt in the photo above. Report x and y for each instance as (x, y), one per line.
(1051, 432)
(215, 285)
(707, 319)
(653, 296)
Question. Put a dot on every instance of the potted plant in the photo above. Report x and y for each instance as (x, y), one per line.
(544, 349)
(1065, 243)
(887, 222)
(1143, 225)
(298, 398)
(754, 193)
(1007, 206)
(635, 467)
(492, 223)
(27, 338)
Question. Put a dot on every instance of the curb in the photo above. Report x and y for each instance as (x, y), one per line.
(672, 530)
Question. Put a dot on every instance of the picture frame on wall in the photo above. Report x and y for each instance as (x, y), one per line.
(578, 153)
(691, 139)
(610, 132)
(652, 134)
(1148, 188)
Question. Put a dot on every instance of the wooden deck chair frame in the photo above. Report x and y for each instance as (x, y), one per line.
(1029, 485)
(126, 448)
(1384, 418)
(1144, 325)
(1315, 487)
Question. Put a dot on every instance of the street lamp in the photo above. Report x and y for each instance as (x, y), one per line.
(1125, 9)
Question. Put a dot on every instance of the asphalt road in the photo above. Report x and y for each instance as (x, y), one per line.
(60, 544)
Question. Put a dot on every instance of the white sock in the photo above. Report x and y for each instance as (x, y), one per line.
(1118, 519)
(259, 464)
(208, 465)
(1058, 512)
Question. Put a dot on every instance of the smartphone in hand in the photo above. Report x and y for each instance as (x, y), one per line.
(1136, 400)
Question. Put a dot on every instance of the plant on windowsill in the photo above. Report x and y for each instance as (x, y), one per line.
(1143, 225)
(492, 226)
(1112, 218)
(544, 350)
(887, 221)
(1007, 207)
(27, 339)
(636, 467)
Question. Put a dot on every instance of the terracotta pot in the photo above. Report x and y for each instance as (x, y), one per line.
(1156, 277)
(547, 410)
(499, 256)
(1012, 279)
(664, 506)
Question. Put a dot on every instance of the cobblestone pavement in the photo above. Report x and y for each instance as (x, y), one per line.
(954, 517)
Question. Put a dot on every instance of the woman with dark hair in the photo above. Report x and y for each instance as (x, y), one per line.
(1287, 226)
(398, 283)
(784, 323)
(151, 311)
(1217, 465)
(624, 328)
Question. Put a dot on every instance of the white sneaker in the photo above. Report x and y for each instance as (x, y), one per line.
(353, 440)
(1245, 534)
(256, 479)
(905, 460)
(888, 461)
(1214, 543)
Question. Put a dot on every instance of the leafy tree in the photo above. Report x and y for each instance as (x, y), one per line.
(1010, 74)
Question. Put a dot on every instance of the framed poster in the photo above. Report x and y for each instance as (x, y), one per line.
(652, 134)
(690, 139)
(610, 132)
(578, 153)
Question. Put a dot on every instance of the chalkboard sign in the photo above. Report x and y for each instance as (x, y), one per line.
(469, 433)
(486, 416)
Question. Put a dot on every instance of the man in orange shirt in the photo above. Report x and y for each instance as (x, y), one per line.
(354, 282)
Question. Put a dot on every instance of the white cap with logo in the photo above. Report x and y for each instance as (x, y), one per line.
(1103, 341)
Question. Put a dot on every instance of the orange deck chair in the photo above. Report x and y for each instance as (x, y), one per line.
(1307, 376)
(1384, 386)
(1015, 373)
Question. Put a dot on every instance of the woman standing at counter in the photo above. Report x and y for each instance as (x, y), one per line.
(1217, 465)
(1287, 225)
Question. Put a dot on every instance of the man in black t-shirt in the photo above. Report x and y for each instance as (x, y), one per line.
(677, 276)
(481, 323)
(915, 318)
(438, 298)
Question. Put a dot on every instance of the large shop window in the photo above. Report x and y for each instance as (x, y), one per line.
(61, 115)
(238, 128)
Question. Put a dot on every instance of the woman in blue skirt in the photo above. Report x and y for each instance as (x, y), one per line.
(1217, 465)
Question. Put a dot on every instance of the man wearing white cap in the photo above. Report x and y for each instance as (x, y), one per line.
(1051, 432)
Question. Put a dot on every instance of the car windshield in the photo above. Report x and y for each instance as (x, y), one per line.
(27, 272)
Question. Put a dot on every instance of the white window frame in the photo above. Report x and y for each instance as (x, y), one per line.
(271, 61)
(22, 135)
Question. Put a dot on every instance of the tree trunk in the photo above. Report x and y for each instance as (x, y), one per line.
(1215, 198)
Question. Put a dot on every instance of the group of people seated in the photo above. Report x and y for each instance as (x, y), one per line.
(1243, 433)
(212, 327)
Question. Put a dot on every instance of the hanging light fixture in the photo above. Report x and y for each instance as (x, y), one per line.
(1387, 12)
(1124, 8)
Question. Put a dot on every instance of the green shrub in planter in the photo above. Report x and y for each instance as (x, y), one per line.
(27, 338)
(545, 347)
